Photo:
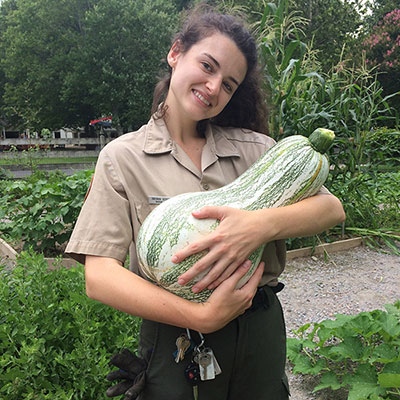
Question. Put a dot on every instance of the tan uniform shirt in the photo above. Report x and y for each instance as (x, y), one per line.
(138, 170)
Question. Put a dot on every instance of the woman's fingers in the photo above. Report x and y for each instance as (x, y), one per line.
(255, 279)
(217, 213)
(214, 275)
(230, 302)
(224, 275)
(218, 260)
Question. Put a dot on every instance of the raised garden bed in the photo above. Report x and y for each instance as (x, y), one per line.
(9, 253)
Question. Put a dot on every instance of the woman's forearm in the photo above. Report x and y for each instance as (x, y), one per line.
(110, 283)
(305, 218)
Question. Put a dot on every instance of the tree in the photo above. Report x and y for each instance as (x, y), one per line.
(68, 61)
(378, 8)
(382, 49)
(37, 42)
(332, 24)
(5, 9)
(125, 45)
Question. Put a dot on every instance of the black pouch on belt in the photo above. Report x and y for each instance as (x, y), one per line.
(260, 299)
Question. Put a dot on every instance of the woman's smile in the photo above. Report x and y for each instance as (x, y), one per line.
(202, 99)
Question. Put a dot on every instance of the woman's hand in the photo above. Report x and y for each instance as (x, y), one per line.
(226, 302)
(241, 232)
(229, 246)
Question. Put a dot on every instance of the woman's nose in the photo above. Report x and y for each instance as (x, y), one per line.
(214, 85)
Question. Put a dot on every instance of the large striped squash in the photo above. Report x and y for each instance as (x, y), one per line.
(293, 169)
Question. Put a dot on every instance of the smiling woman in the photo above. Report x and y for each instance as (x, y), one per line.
(204, 133)
(203, 81)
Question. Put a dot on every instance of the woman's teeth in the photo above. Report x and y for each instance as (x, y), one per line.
(199, 96)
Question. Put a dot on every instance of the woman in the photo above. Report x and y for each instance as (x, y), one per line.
(201, 137)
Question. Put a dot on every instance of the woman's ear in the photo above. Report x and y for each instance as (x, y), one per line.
(174, 54)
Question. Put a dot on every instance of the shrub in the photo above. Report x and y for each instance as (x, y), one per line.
(42, 209)
(383, 45)
(383, 147)
(55, 342)
(360, 353)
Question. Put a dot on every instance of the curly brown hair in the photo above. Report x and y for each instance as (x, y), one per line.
(247, 107)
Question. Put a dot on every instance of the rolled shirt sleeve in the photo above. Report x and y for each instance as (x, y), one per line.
(104, 224)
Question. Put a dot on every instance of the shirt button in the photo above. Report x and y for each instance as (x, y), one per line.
(205, 186)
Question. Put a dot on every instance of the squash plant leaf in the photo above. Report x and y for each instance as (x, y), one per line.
(363, 383)
(329, 380)
(390, 324)
(384, 353)
(390, 376)
(389, 380)
(349, 348)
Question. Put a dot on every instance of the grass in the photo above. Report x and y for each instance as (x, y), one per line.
(56, 160)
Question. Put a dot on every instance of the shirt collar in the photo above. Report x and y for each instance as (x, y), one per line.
(158, 140)
(219, 143)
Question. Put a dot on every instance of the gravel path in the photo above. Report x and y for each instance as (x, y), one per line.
(348, 282)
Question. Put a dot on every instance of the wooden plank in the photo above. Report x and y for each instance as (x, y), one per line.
(328, 247)
(7, 251)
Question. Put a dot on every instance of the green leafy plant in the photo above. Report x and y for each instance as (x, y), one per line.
(4, 174)
(55, 342)
(350, 101)
(360, 353)
(42, 209)
(282, 53)
(370, 200)
(383, 149)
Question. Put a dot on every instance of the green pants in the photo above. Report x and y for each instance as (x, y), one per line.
(251, 351)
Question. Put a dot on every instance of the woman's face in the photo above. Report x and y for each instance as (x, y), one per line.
(205, 77)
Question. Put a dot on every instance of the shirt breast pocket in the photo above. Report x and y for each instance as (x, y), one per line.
(143, 209)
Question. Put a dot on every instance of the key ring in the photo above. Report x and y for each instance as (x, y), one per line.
(202, 340)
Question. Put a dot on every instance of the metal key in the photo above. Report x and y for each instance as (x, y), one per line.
(217, 368)
(182, 344)
(206, 365)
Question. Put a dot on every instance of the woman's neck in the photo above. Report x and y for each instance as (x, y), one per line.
(186, 136)
(182, 130)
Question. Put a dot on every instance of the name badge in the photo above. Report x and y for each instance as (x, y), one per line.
(157, 199)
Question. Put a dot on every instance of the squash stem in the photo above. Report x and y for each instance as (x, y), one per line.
(321, 139)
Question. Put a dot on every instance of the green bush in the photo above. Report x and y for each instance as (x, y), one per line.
(55, 342)
(4, 174)
(360, 353)
(383, 148)
(41, 210)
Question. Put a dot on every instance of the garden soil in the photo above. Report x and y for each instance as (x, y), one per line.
(346, 282)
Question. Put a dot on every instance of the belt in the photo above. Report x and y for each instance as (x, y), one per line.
(260, 299)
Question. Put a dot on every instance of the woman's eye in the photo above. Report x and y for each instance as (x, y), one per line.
(228, 87)
(206, 66)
